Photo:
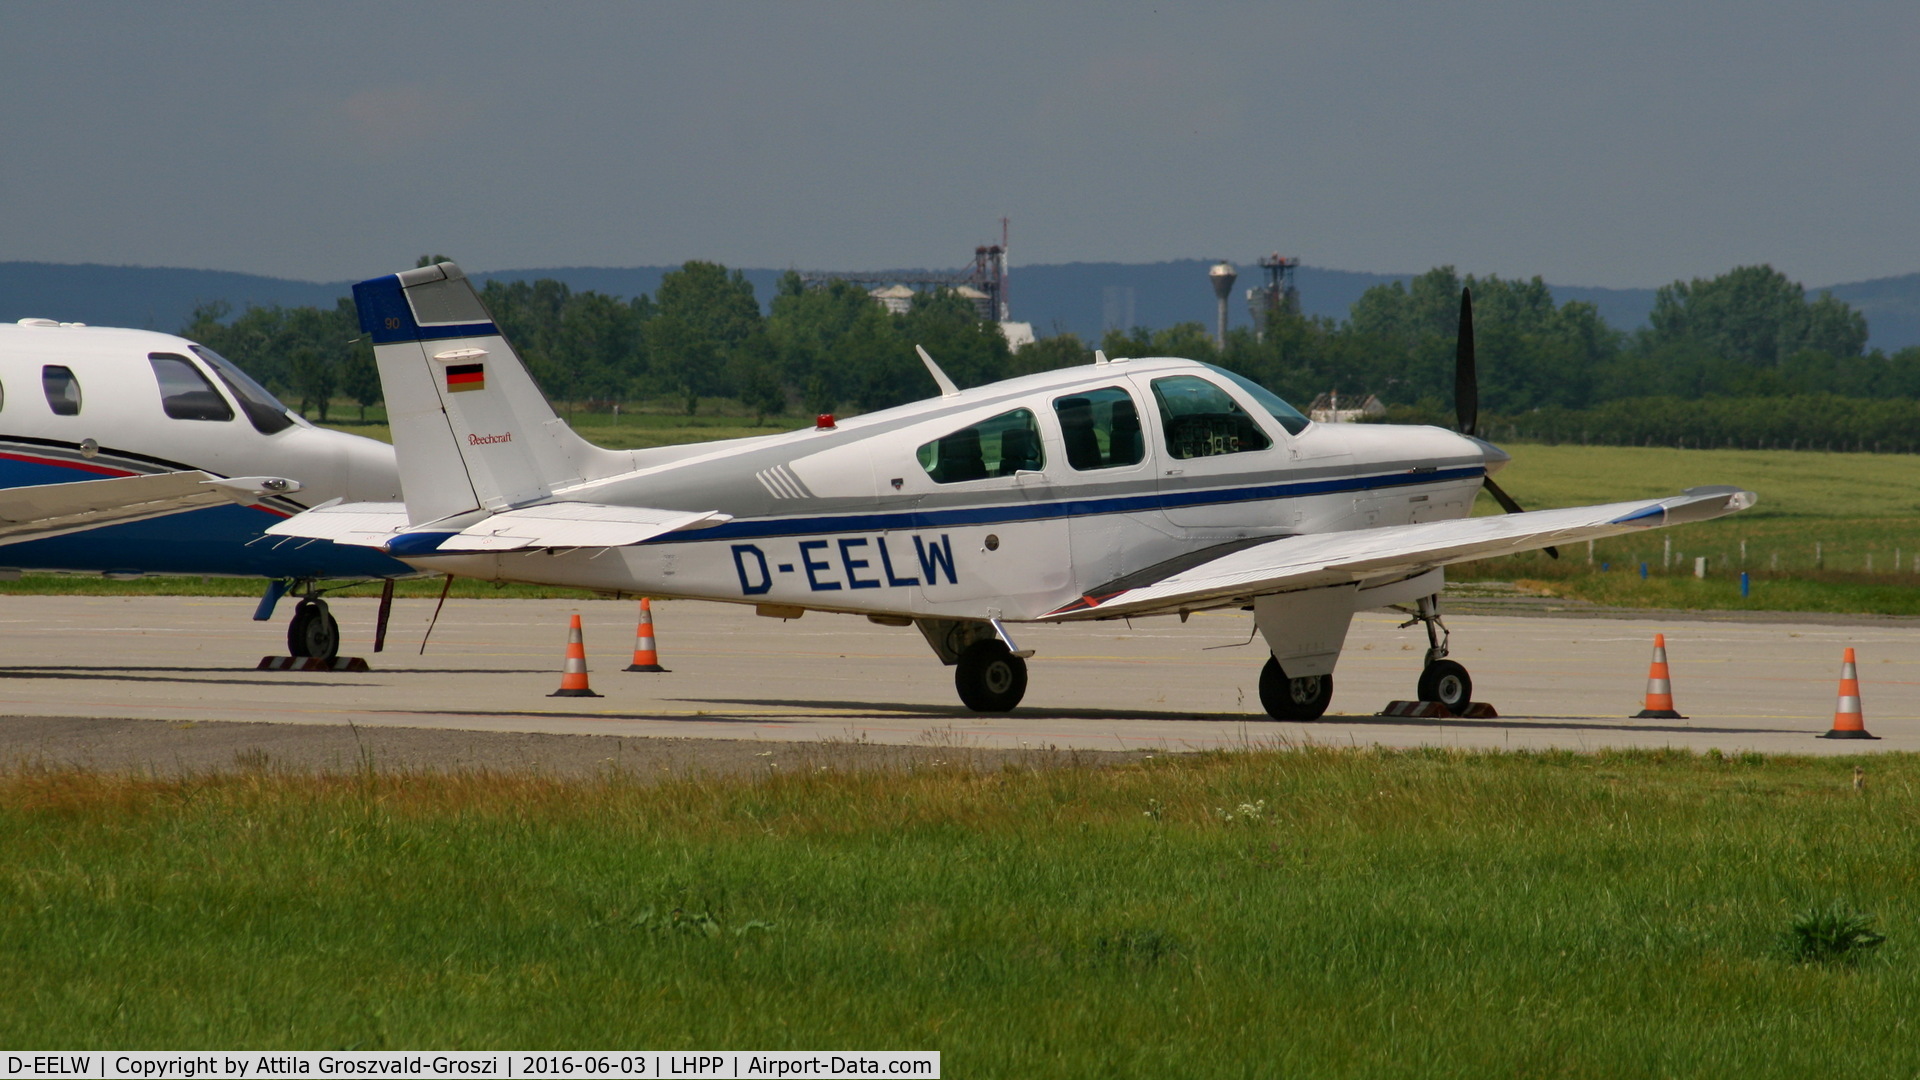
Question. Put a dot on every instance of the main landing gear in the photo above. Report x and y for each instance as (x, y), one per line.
(1442, 680)
(1304, 698)
(313, 631)
(1286, 698)
(989, 677)
(990, 671)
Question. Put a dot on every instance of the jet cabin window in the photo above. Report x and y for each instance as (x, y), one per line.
(1000, 446)
(1202, 420)
(263, 410)
(63, 390)
(1101, 428)
(185, 394)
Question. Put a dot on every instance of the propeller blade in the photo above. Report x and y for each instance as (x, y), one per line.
(1510, 506)
(1466, 383)
(1466, 401)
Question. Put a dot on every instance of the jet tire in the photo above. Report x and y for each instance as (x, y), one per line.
(313, 631)
(1447, 683)
(990, 679)
(1285, 698)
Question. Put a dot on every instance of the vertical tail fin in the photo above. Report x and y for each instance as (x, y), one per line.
(471, 428)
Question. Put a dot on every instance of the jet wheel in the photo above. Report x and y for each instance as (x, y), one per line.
(313, 631)
(1447, 683)
(990, 679)
(1305, 698)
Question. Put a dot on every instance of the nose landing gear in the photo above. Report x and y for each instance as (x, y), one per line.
(1441, 680)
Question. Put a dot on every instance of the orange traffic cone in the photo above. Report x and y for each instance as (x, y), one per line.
(645, 656)
(573, 677)
(1659, 686)
(1848, 722)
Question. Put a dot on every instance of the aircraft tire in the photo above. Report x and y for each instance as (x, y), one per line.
(313, 631)
(990, 679)
(1286, 698)
(1447, 683)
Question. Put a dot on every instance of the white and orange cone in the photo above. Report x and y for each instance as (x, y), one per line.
(573, 677)
(1659, 686)
(1848, 720)
(646, 656)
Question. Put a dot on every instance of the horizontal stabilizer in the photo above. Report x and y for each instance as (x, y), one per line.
(362, 524)
(549, 525)
(1392, 552)
(576, 525)
(44, 510)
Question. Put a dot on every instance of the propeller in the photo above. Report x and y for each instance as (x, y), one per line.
(1466, 401)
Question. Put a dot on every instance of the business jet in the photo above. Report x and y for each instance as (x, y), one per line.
(1120, 489)
(129, 452)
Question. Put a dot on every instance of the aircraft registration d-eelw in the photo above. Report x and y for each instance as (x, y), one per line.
(1120, 489)
(130, 451)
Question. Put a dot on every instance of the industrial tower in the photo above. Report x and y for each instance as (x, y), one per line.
(1277, 297)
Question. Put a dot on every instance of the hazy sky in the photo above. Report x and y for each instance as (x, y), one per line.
(1621, 144)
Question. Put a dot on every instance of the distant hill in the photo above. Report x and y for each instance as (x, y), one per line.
(1080, 298)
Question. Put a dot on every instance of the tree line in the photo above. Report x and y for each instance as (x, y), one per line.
(1774, 363)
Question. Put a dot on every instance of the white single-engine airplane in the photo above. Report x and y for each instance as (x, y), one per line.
(1124, 488)
(130, 451)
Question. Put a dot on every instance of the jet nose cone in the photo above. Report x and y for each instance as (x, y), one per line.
(1495, 458)
(373, 475)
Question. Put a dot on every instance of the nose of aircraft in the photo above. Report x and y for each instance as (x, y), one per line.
(373, 473)
(356, 469)
(1495, 458)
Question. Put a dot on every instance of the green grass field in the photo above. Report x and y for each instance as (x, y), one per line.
(1832, 532)
(1304, 913)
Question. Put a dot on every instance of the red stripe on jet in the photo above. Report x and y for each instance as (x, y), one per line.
(83, 466)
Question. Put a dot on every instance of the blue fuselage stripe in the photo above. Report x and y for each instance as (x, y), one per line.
(212, 540)
(1006, 513)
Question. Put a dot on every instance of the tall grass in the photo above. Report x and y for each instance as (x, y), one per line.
(1314, 912)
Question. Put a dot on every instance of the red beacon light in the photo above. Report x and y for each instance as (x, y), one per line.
(823, 422)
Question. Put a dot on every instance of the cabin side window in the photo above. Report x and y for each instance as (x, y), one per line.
(1101, 428)
(998, 446)
(1202, 420)
(185, 394)
(63, 390)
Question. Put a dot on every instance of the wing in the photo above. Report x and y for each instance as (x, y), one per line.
(44, 510)
(548, 525)
(1393, 552)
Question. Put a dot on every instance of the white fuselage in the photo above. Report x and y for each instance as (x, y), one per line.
(856, 518)
(79, 403)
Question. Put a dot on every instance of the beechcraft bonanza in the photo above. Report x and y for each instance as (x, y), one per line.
(129, 452)
(1125, 488)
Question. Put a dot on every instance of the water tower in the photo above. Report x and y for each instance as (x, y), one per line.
(1222, 275)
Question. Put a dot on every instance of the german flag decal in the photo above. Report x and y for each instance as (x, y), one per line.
(466, 377)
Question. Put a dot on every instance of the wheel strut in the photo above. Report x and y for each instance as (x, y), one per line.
(1428, 612)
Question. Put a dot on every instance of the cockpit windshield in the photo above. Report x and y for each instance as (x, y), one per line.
(1289, 417)
(262, 408)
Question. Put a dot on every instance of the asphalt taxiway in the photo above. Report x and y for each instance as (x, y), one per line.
(491, 664)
